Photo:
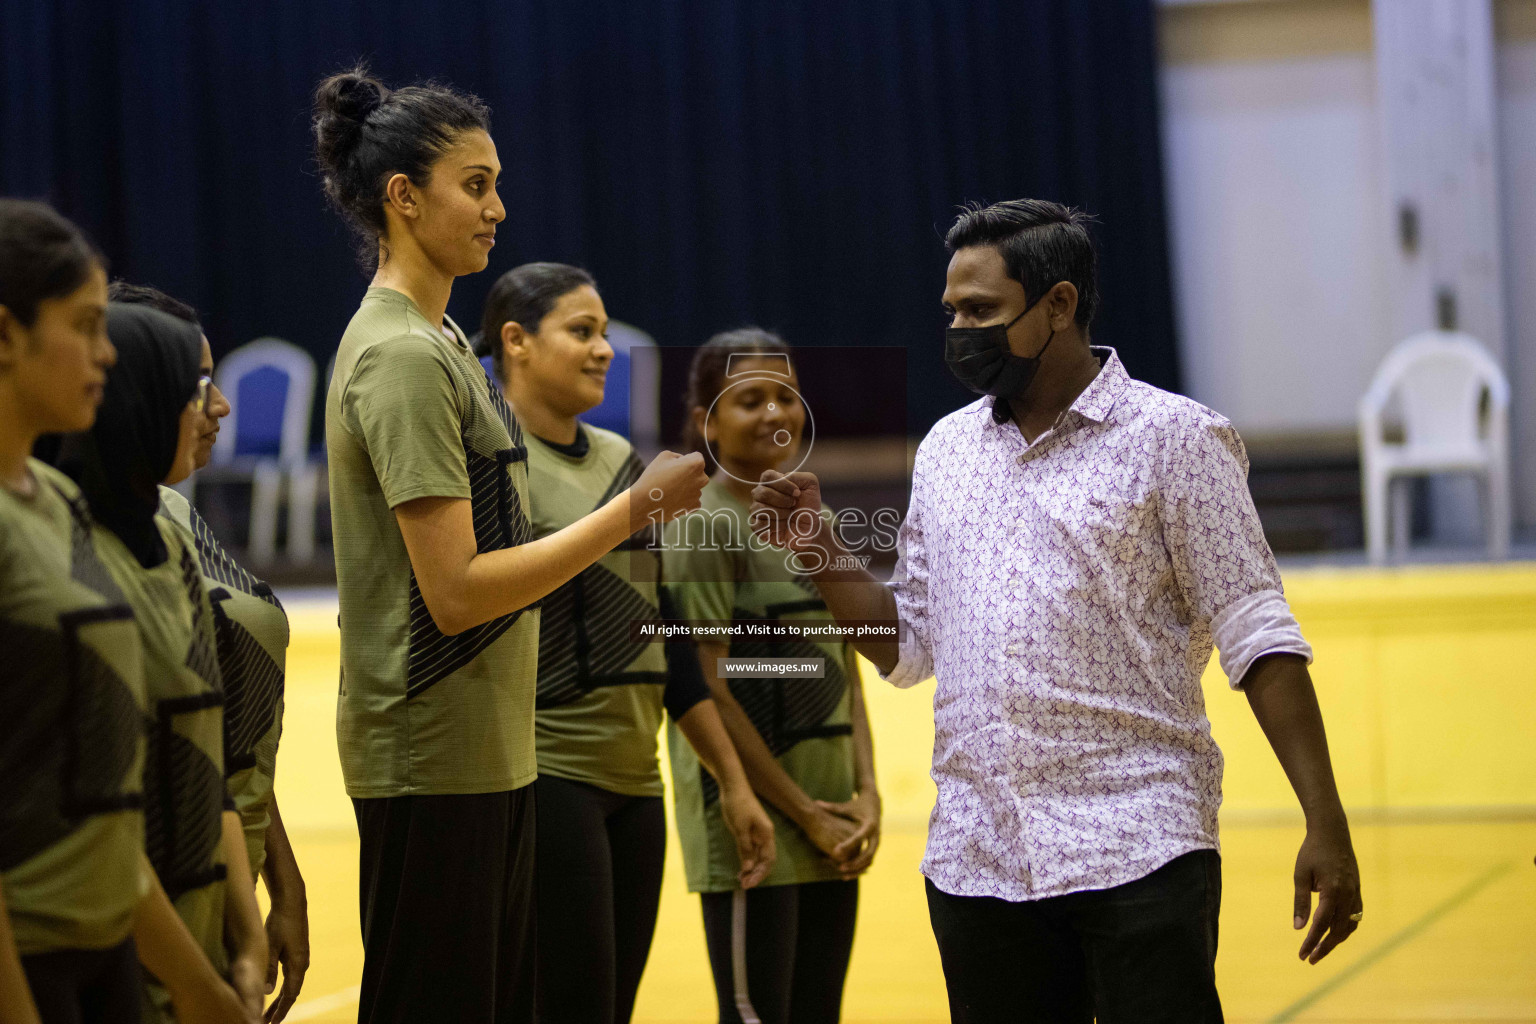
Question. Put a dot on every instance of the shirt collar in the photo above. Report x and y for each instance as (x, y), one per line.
(1101, 394)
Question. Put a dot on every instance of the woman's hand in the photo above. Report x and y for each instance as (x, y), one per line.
(288, 945)
(247, 975)
(753, 831)
(855, 854)
(826, 829)
(670, 486)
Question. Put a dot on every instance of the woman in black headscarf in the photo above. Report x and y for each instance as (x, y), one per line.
(146, 430)
(120, 462)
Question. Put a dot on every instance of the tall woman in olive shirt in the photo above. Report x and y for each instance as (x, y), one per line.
(436, 566)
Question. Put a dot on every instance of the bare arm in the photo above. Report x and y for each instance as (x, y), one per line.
(170, 953)
(786, 511)
(243, 933)
(856, 853)
(16, 1005)
(1280, 692)
(464, 587)
(768, 777)
(288, 920)
(745, 817)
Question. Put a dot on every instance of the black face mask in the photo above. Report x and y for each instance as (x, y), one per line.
(980, 359)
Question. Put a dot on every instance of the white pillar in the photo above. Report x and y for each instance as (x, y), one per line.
(1435, 78)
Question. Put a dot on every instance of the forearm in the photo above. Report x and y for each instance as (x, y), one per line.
(1280, 692)
(280, 871)
(763, 771)
(702, 727)
(165, 945)
(863, 740)
(463, 588)
(16, 1005)
(853, 594)
(243, 932)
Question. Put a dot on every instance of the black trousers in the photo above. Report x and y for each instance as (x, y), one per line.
(779, 953)
(86, 986)
(1143, 952)
(447, 908)
(600, 856)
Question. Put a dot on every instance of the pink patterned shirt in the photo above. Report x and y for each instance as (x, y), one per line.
(1067, 595)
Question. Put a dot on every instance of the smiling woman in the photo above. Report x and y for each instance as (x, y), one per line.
(437, 565)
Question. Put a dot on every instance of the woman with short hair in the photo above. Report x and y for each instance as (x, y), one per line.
(602, 692)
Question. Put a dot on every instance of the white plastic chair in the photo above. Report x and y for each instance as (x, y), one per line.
(270, 385)
(1452, 401)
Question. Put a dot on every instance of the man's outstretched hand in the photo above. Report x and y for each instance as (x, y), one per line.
(786, 510)
(1326, 866)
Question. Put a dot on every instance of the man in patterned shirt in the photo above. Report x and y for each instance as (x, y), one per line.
(1076, 543)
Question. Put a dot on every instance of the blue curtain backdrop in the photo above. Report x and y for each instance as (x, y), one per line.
(714, 163)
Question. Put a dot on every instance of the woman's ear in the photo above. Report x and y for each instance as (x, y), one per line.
(10, 337)
(701, 423)
(401, 196)
(514, 342)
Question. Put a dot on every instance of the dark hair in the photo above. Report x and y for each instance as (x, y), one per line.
(525, 295)
(707, 372)
(148, 295)
(1041, 242)
(120, 462)
(366, 133)
(42, 256)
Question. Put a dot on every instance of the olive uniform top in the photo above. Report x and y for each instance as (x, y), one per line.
(721, 576)
(72, 746)
(252, 632)
(410, 414)
(185, 796)
(601, 691)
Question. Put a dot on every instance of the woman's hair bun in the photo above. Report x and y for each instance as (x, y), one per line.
(342, 104)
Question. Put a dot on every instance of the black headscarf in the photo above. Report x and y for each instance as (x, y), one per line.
(120, 462)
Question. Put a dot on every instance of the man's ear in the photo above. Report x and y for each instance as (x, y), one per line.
(401, 195)
(1061, 305)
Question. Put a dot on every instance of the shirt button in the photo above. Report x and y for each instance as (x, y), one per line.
(1023, 459)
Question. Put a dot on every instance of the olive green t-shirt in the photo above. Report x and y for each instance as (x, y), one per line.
(600, 692)
(185, 795)
(72, 748)
(410, 414)
(252, 632)
(714, 573)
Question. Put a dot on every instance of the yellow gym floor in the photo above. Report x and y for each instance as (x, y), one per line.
(1427, 678)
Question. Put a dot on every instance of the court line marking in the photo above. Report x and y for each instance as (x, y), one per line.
(309, 1008)
(1402, 936)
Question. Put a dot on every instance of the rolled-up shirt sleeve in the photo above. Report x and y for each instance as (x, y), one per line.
(1221, 562)
(909, 586)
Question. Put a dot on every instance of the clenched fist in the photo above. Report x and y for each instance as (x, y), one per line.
(670, 486)
(786, 510)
